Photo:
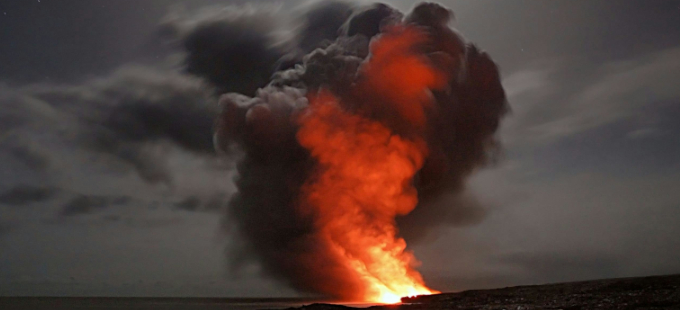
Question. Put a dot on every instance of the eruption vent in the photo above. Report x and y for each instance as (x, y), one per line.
(341, 151)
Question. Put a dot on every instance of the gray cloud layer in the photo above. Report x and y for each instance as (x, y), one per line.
(25, 194)
(121, 116)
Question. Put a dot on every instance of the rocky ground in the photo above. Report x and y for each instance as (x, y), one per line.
(660, 292)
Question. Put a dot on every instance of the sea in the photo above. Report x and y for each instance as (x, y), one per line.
(110, 303)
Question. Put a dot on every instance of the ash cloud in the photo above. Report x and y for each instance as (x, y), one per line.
(459, 132)
(321, 24)
(367, 20)
(319, 27)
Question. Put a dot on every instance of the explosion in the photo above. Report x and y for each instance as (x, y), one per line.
(360, 134)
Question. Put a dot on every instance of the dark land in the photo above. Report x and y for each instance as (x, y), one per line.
(648, 293)
(659, 292)
(142, 303)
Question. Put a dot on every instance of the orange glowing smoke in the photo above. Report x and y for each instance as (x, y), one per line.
(365, 170)
(400, 74)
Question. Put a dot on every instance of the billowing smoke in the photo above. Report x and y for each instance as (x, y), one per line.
(233, 48)
(402, 102)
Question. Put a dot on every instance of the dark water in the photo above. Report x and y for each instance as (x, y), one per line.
(59, 303)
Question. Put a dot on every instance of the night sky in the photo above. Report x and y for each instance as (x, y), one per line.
(97, 200)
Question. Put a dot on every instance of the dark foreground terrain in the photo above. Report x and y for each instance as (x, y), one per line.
(661, 292)
(114, 303)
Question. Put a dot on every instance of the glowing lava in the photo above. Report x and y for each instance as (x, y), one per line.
(363, 183)
(364, 174)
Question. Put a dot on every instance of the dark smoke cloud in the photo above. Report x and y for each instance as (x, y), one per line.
(367, 21)
(320, 27)
(321, 24)
(22, 195)
(453, 208)
(460, 134)
(235, 49)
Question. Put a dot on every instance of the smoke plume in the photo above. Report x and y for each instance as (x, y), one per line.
(361, 141)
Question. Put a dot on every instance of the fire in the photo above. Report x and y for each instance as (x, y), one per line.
(333, 150)
(365, 170)
(364, 182)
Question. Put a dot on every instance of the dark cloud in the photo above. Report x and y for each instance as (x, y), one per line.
(126, 116)
(367, 21)
(31, 156)
(138, 104)
(189, 204)
(459, 132)
(174, 118)
(234, 49)
(85, 204)
(194, 203)
(21, 147)
(216, 202)
(321, 24)
(8, 122)
(120, 200)
(22, 195)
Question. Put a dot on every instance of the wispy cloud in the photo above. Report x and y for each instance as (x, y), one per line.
(549, 105)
